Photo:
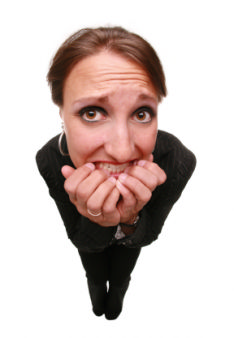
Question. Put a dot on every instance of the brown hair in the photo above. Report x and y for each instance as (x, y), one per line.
(87, 42)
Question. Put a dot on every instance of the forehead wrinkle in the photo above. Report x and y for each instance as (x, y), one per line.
(122, 76)
(103, 91)
(106, 98)
(104, 83)
(103, 72)
(102, 78)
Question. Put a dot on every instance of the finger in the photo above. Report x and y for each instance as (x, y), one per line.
(128, 198)
(67, 171)
(128, 205)
(110, 215)
(77, 176)
(140, 191)
(151, 158)
(89, 185)
(110, 203)
(148, 173)
(145, 176)
(98, 197)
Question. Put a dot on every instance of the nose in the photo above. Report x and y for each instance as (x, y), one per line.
(120, 143)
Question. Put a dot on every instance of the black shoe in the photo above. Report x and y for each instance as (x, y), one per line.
(98, 294)
(115, 297)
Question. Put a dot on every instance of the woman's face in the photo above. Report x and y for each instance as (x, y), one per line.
(109, 113)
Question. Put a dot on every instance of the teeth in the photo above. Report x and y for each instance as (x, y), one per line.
(114, 168)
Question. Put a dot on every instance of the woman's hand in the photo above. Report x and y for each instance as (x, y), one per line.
(136, 186)
(91, 191)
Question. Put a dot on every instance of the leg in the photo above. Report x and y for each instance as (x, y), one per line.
(96, 267)
(122, 262)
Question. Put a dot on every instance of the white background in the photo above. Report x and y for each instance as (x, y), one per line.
(182, 286)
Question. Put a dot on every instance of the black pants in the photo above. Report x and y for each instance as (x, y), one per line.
(115, 264)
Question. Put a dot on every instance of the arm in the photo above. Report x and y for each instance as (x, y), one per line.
(179, 166)
(83, 233)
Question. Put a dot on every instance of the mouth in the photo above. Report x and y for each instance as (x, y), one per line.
(114, 169)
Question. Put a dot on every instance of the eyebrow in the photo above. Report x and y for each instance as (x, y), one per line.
(146, 97)
(105, 98)
(101, 99)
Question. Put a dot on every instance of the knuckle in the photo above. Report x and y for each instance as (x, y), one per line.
(137, 184)
(131, 201)
(108, 209)
(128, 195)
(153, 186)
(163, 177)
(160, 175)
(68, 187)
(151, 166)
(93, 205)
(146, 196)
(72, 198)
(81, 193)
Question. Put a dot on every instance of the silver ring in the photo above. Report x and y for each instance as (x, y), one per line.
(94, 214)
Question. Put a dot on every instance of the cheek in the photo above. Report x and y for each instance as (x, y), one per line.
(82, 144)
(146, 142)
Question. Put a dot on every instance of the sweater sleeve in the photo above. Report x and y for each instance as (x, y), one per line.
(179, 163)
(84, 234)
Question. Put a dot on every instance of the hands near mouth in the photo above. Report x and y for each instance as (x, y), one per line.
(111, 200)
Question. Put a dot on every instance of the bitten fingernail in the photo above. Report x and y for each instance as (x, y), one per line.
(141, 163)
(112, 179)
(122, 177)
(90, 166)
(120, 187)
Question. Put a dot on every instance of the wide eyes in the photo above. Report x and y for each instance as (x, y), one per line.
(143, 116)
(96, 114)
(92, 114)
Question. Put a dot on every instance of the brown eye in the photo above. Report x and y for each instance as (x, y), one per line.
(92, 114)
(142, 116)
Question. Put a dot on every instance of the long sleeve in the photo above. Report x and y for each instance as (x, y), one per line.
(84, 234)
(179, 163)
(170, 154)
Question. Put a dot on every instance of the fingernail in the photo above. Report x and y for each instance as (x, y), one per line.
(141, 163)
(122, 177)
(120, 187)
(112, 179)
(90, 166)
(118, 184)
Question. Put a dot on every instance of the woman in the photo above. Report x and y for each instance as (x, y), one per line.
(113, 184)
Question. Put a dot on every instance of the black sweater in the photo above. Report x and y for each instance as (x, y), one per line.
(170, 154)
